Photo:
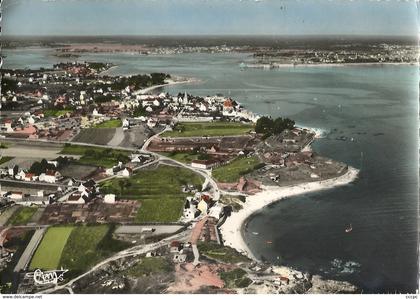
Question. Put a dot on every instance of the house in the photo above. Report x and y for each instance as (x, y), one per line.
(20, 175)
(126, 123)
(77, 198)
(179, 258)
(115, 169)
(109, 198)
(50, 176)
(15, 195)
(202, 207)
(175, 247)
(88, 186)
(126, 172)
(71, 182)
(135, 159)
(204, 164)
(29, 177)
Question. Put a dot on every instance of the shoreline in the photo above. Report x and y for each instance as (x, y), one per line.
(169, 83)
(303, 65)
(231, 230)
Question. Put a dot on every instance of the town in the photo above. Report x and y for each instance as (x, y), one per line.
(140, 181)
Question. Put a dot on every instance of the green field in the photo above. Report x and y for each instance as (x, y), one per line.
(232, 171)
(200, 129)
(5, 159)
(81, 250)
(97, 156)
(182, 157)
(22, 215)
(112, 123)
(159, 191)
(221, 253)
(235, 279)
(55, 112)
(150, 265)
(47, 255)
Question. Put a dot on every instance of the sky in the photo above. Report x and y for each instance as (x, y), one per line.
(209, 17)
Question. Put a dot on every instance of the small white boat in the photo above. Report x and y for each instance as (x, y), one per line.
(255, 233)
(349, 229)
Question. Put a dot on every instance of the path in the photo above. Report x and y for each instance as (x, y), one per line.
(29, 250)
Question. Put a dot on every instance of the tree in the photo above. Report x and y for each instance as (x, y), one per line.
(36, 168)
(264, 125)
(121, 183)
(281, 124)
(288, 123)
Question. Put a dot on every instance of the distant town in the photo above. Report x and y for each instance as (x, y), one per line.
(143, 183)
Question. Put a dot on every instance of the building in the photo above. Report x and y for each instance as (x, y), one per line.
(204, 164)
(202, 207)
(109, 198)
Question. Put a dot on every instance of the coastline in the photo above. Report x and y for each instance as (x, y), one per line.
(169, 83)
(231, 230)
(304, 65)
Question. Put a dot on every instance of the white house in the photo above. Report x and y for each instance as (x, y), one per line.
(204, 164)
(20, 175)
(15, 195)
(51, 176)
(109, 198)
(135, 159)
(126, 172)
(202, 206)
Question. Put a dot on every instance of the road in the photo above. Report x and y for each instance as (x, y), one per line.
(159, 229)
(30, 250)
(37, 184)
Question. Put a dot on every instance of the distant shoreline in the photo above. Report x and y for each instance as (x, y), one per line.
(303, 65)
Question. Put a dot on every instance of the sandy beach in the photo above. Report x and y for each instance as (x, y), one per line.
(231, 229)
(169, 83)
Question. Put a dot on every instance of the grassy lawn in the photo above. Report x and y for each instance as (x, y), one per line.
(235, 279)
(96, 156)
(76, 248)
(159, 191)
(222, 253)
(150, 265)
(22, 215)
(232, 171)
(56, 112)
(47, 255)
(112, 123)
(5, 159)
(200, 129)
(81, 248)
(182, 156)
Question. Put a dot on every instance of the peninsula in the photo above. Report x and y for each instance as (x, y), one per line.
(159, 184)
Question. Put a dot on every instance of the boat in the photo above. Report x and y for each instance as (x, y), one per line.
(269, 242)
(255, 233)
(349, 228)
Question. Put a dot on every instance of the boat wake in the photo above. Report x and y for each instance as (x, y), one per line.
(340, 267)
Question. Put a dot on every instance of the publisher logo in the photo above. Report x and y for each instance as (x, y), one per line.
(49, 277)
